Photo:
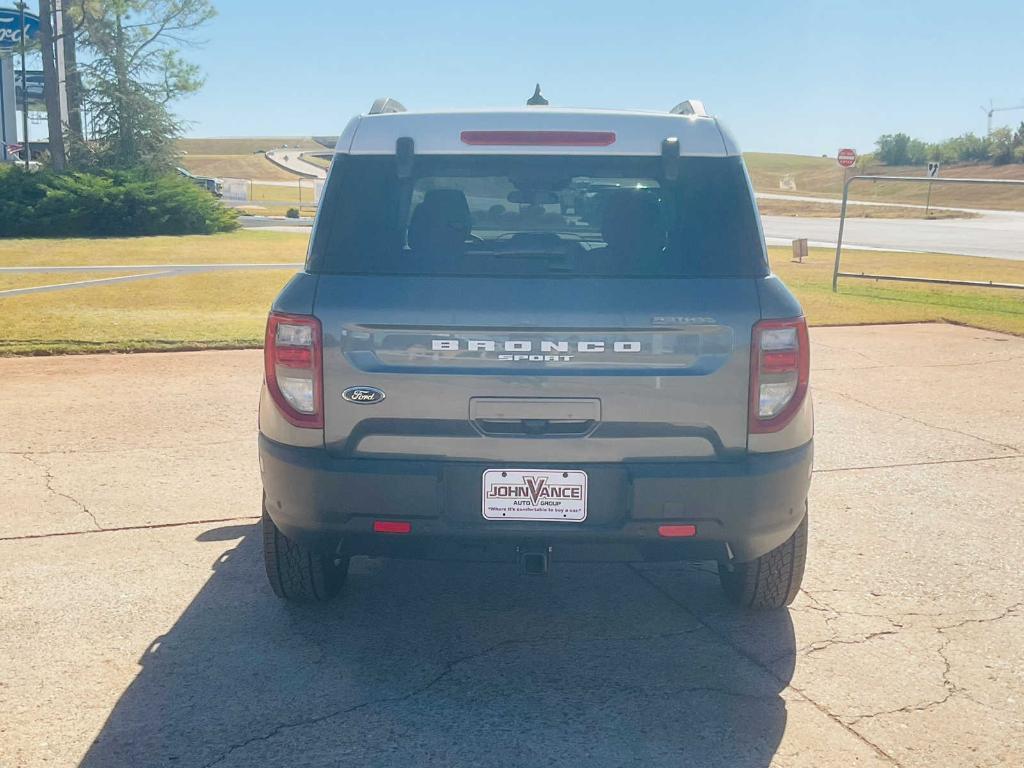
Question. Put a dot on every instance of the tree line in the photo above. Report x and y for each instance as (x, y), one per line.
(124, 69)
(113, 174)
(1002, 146)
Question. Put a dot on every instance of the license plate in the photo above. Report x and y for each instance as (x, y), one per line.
(535, 494)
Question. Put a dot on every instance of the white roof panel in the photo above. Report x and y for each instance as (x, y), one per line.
(437, 133)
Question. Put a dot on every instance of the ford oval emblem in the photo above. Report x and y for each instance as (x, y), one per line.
(366, 395)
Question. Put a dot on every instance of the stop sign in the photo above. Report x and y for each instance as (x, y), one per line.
(846, 157)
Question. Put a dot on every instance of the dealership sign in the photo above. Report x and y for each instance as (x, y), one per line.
(34, 91)
(11, 29)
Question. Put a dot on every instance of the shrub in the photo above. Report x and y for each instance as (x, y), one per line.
(292, 213)
(47, 204)
(1001, 146)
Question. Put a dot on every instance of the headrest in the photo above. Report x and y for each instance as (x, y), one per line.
(441, 222)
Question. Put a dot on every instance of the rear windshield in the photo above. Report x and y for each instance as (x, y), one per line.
(522, 215)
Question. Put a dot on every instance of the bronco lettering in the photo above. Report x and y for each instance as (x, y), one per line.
(525, 345)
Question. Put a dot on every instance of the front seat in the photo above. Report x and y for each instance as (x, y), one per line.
(441, 223)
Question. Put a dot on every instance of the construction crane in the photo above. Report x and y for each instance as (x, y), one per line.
(991, 110)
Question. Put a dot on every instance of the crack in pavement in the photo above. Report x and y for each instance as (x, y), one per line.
(768, 670)
(951, 686)
(1014, 448)
(448, 669)
(881, 366)
(132, 449)
(118, 529)
(821, 645)
(49, 478)
(899, 465)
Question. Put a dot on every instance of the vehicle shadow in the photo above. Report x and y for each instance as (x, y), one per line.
(422, 663)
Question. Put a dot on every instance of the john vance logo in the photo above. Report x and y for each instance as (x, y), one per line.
(535, 489)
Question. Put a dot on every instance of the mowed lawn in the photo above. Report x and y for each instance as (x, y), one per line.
(861, 301)
(228, 309)
(198, 311)
(242, 247)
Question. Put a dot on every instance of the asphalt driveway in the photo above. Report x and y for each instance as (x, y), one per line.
(136, 627)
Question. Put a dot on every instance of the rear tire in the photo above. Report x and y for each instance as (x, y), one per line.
(298, 573)
(772, 580)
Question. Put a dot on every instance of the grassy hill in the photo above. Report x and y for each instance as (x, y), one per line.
(239, 158)
(822, 177)
(244, 145)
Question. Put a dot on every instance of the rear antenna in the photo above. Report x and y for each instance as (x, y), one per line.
(537, 100)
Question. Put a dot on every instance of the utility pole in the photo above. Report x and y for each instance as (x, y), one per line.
(24, 86)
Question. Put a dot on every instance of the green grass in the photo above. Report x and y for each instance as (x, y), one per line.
(228, 309)
(277, 193)
(10, 281)
(872, 301)
(243, 246)
(205, 311)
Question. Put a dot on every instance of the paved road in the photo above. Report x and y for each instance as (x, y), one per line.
(993, 234)
(291, 160)
(138, 629)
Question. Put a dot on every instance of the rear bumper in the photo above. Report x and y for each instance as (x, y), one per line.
(741, 509)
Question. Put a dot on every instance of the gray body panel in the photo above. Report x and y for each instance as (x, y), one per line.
(680, 392)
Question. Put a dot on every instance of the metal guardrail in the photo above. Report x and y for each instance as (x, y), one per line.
(836, 274)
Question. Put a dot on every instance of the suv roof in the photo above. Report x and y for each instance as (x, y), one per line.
(634, 133)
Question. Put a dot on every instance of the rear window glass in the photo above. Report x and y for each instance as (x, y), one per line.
(528, 215)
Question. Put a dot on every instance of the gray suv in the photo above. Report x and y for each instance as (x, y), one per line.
(537, 335)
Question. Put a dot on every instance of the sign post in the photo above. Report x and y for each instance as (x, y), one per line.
(846, 158)
(933, 173)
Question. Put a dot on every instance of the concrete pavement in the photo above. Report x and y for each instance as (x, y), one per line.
(291, 160)
(138, 629)
(993, 234)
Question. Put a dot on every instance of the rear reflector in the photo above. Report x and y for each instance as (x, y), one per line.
(391, 526)
(677, 531)
(539, 138)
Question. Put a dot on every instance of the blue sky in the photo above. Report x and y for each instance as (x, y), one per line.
(804, 77)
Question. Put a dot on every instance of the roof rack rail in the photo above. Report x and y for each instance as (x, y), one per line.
(689, 107)
(385, 106)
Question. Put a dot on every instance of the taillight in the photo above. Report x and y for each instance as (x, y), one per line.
(293, 362)
(779, 369)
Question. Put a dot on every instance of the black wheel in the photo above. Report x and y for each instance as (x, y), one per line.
(298, 573)
(772, 580)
